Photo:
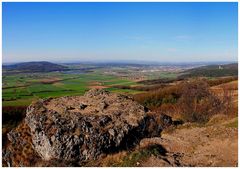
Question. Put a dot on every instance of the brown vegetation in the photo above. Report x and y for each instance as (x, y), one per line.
(141, 87)
(223, 80)
(153, 99)
(192, 101)
(197, 103)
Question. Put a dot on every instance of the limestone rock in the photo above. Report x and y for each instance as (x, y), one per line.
(80, 128)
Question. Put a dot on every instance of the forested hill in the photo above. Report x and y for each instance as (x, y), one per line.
(42, 66)
(213, 71)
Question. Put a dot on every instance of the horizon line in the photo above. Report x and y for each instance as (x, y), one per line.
(124, 61)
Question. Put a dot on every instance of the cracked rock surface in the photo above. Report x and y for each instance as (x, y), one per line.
(81, 128)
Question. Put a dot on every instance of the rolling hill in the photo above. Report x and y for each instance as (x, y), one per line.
(42, 66)
(212, 71)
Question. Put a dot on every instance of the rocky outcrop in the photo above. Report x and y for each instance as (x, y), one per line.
(81, 128)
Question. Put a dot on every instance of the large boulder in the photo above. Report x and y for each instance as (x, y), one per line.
(80, 128)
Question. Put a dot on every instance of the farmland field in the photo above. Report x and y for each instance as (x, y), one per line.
(160, 89)
(22, 89)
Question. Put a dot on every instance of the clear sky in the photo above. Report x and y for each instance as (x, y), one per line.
(163, 32)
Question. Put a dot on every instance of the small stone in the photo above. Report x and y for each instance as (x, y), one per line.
(70, 108)
(103, 105)
(111, 132)
(53, 138)
(82, 106)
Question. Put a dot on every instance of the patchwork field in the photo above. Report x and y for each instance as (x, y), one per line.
(199, 110)
(22, 89)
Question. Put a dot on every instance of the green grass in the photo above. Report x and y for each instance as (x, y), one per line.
(19, 102)
(72, 84)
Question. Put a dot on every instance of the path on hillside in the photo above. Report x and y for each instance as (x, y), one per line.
(211, 145)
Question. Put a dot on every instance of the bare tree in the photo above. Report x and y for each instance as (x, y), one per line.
(227, 100)
(197, 102)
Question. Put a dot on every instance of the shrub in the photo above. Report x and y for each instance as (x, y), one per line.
(155, 98)
(197, 103)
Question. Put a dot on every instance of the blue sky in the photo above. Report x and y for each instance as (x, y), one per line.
(163, 32)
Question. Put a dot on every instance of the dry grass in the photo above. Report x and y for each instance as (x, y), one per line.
(98, 87)
(49, 81)
(232, 123)
(169, 109)
(230, 86)
(58, 84)
(232, 91)
(113, 159)
(217, 119)
(129, 158)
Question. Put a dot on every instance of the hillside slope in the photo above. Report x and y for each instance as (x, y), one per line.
(42, 66)
(212, 145)
(213, 71)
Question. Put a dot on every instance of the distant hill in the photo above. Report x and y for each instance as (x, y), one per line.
(34, 67)
(212, 71)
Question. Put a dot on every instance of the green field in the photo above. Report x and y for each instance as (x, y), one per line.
(22, 89)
